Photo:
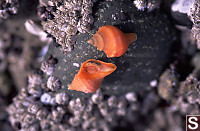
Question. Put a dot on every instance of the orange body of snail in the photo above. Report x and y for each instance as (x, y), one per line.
(90, 75)
(112, 40)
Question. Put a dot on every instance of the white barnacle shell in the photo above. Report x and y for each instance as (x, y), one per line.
(61, 98)
(97, 98)
(182, 6)
(53, 101)
(13, 10)
(63, 27)
(81, 28)
(73, 13)
(71, 30)
(140, 4)
(45, 98)
(152, 4)
(75, 121)
(112, 101)
(61, 109)
(194, 13)
(76, 65)
(35, 91)
(196, 32)
(34, 127)
(45, 124)
(4, 14)
(47, 68)
(73, 21)
(71, 39)
(42, 114)
(103, 108)
(29, 118)
(34, 79)
(57, 116)
(34, 107)
(51, 3)
(121, 111)
(131, 97)
(87, 2)
(53, 83)
(68, 4)
(67, 48)
(86, 9)
(88, 18)
(72, 104)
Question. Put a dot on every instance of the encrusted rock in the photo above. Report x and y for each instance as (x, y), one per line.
(63, 19)
(61, 98)
(8, 7)
(151, 49)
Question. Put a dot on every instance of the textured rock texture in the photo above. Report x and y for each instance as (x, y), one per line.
(144, 60)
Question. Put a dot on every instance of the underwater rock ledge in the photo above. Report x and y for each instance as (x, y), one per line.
(144, 60)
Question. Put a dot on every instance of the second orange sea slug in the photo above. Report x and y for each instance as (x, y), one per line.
(112, 40)
(91, 75)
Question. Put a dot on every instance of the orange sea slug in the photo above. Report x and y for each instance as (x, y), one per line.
(112, 40)
(90, 75)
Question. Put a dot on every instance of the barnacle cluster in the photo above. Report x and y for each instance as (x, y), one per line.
(147, 4)
(41, 107)
(63, 19)
(8, 7)
(195, 18)
(27, 113)
(38, 107)
(192, 9)
(46, 109)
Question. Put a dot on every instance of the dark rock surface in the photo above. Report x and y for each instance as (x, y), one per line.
(144, 60)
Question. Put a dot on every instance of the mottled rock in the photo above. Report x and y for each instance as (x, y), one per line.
(168, 84)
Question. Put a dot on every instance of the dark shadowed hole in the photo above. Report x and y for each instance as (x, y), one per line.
(18, 125)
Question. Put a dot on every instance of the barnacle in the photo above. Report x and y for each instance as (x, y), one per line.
(53, 83)
(194, 13)
(47, 68)
(195, 18)
(147, 4)
(64, 19)
(8, 7)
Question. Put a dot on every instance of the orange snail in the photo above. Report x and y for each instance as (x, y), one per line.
(112, 40)
(91, 75)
